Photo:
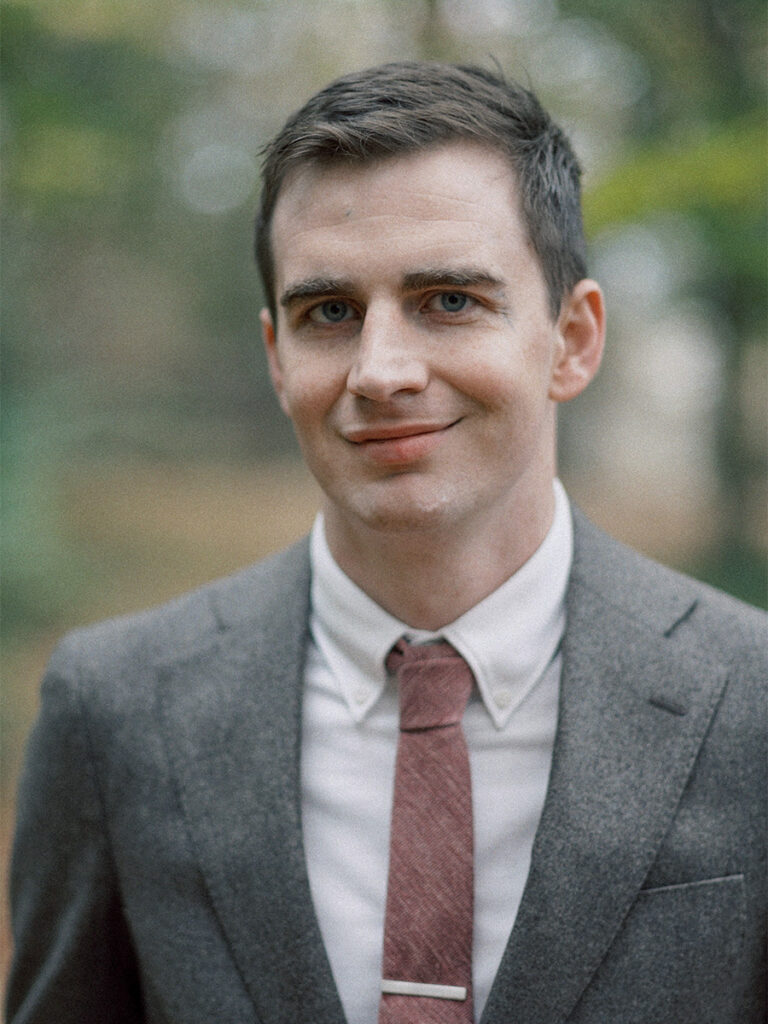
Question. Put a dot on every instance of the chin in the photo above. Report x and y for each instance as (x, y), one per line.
(407, 513)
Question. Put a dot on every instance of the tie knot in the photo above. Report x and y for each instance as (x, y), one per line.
(434, 684)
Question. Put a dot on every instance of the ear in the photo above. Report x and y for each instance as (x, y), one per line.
(581, 329)
(269, 337)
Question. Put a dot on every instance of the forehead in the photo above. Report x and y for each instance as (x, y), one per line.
(443, 201)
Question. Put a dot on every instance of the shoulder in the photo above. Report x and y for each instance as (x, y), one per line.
(607, 572)
(270, 595)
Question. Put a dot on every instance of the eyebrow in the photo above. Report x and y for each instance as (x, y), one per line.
(432, 277)
(314, 287)
(450, 277)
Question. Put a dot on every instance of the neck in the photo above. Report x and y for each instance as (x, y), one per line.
(428, 577)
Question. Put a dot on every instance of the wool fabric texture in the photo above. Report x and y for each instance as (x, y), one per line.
(428, 924)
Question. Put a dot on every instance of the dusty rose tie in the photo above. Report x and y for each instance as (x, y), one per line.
(427, 964)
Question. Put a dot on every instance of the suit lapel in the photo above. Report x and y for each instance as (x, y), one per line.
(635, 706)
(231, 719)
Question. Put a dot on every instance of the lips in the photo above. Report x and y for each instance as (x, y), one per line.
(363, 435)
(398, 444)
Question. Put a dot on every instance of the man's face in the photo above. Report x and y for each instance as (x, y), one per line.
(413, 349)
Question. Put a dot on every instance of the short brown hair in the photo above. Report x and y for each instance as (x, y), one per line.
(401, 107)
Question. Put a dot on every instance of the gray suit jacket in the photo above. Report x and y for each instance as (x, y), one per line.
(159, 873)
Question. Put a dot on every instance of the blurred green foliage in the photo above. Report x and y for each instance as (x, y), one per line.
(80, 119)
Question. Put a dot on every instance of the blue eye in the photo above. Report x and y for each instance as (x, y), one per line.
(334, 311)
(453, 302)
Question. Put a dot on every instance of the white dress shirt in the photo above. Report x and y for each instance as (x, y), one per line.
(511, 641)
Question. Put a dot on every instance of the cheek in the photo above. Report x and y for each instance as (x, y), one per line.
(308, 392)
(505, 362)
(504, 385)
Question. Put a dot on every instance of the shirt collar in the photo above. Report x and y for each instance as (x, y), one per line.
(508, 639)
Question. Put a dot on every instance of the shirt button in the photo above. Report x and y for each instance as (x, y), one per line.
(502, 698)
(361, 696)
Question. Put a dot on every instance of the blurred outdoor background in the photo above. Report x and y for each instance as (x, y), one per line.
(142, 450)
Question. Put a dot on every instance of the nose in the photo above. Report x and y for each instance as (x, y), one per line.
(389, 359)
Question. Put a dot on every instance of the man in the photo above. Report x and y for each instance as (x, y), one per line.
(206, 824)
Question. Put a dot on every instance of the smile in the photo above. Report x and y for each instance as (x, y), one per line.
(399, 444)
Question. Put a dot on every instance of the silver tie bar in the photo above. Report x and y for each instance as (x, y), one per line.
(417, 988)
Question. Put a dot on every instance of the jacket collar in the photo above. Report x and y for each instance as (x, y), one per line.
(234, 750)
(636, 702)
